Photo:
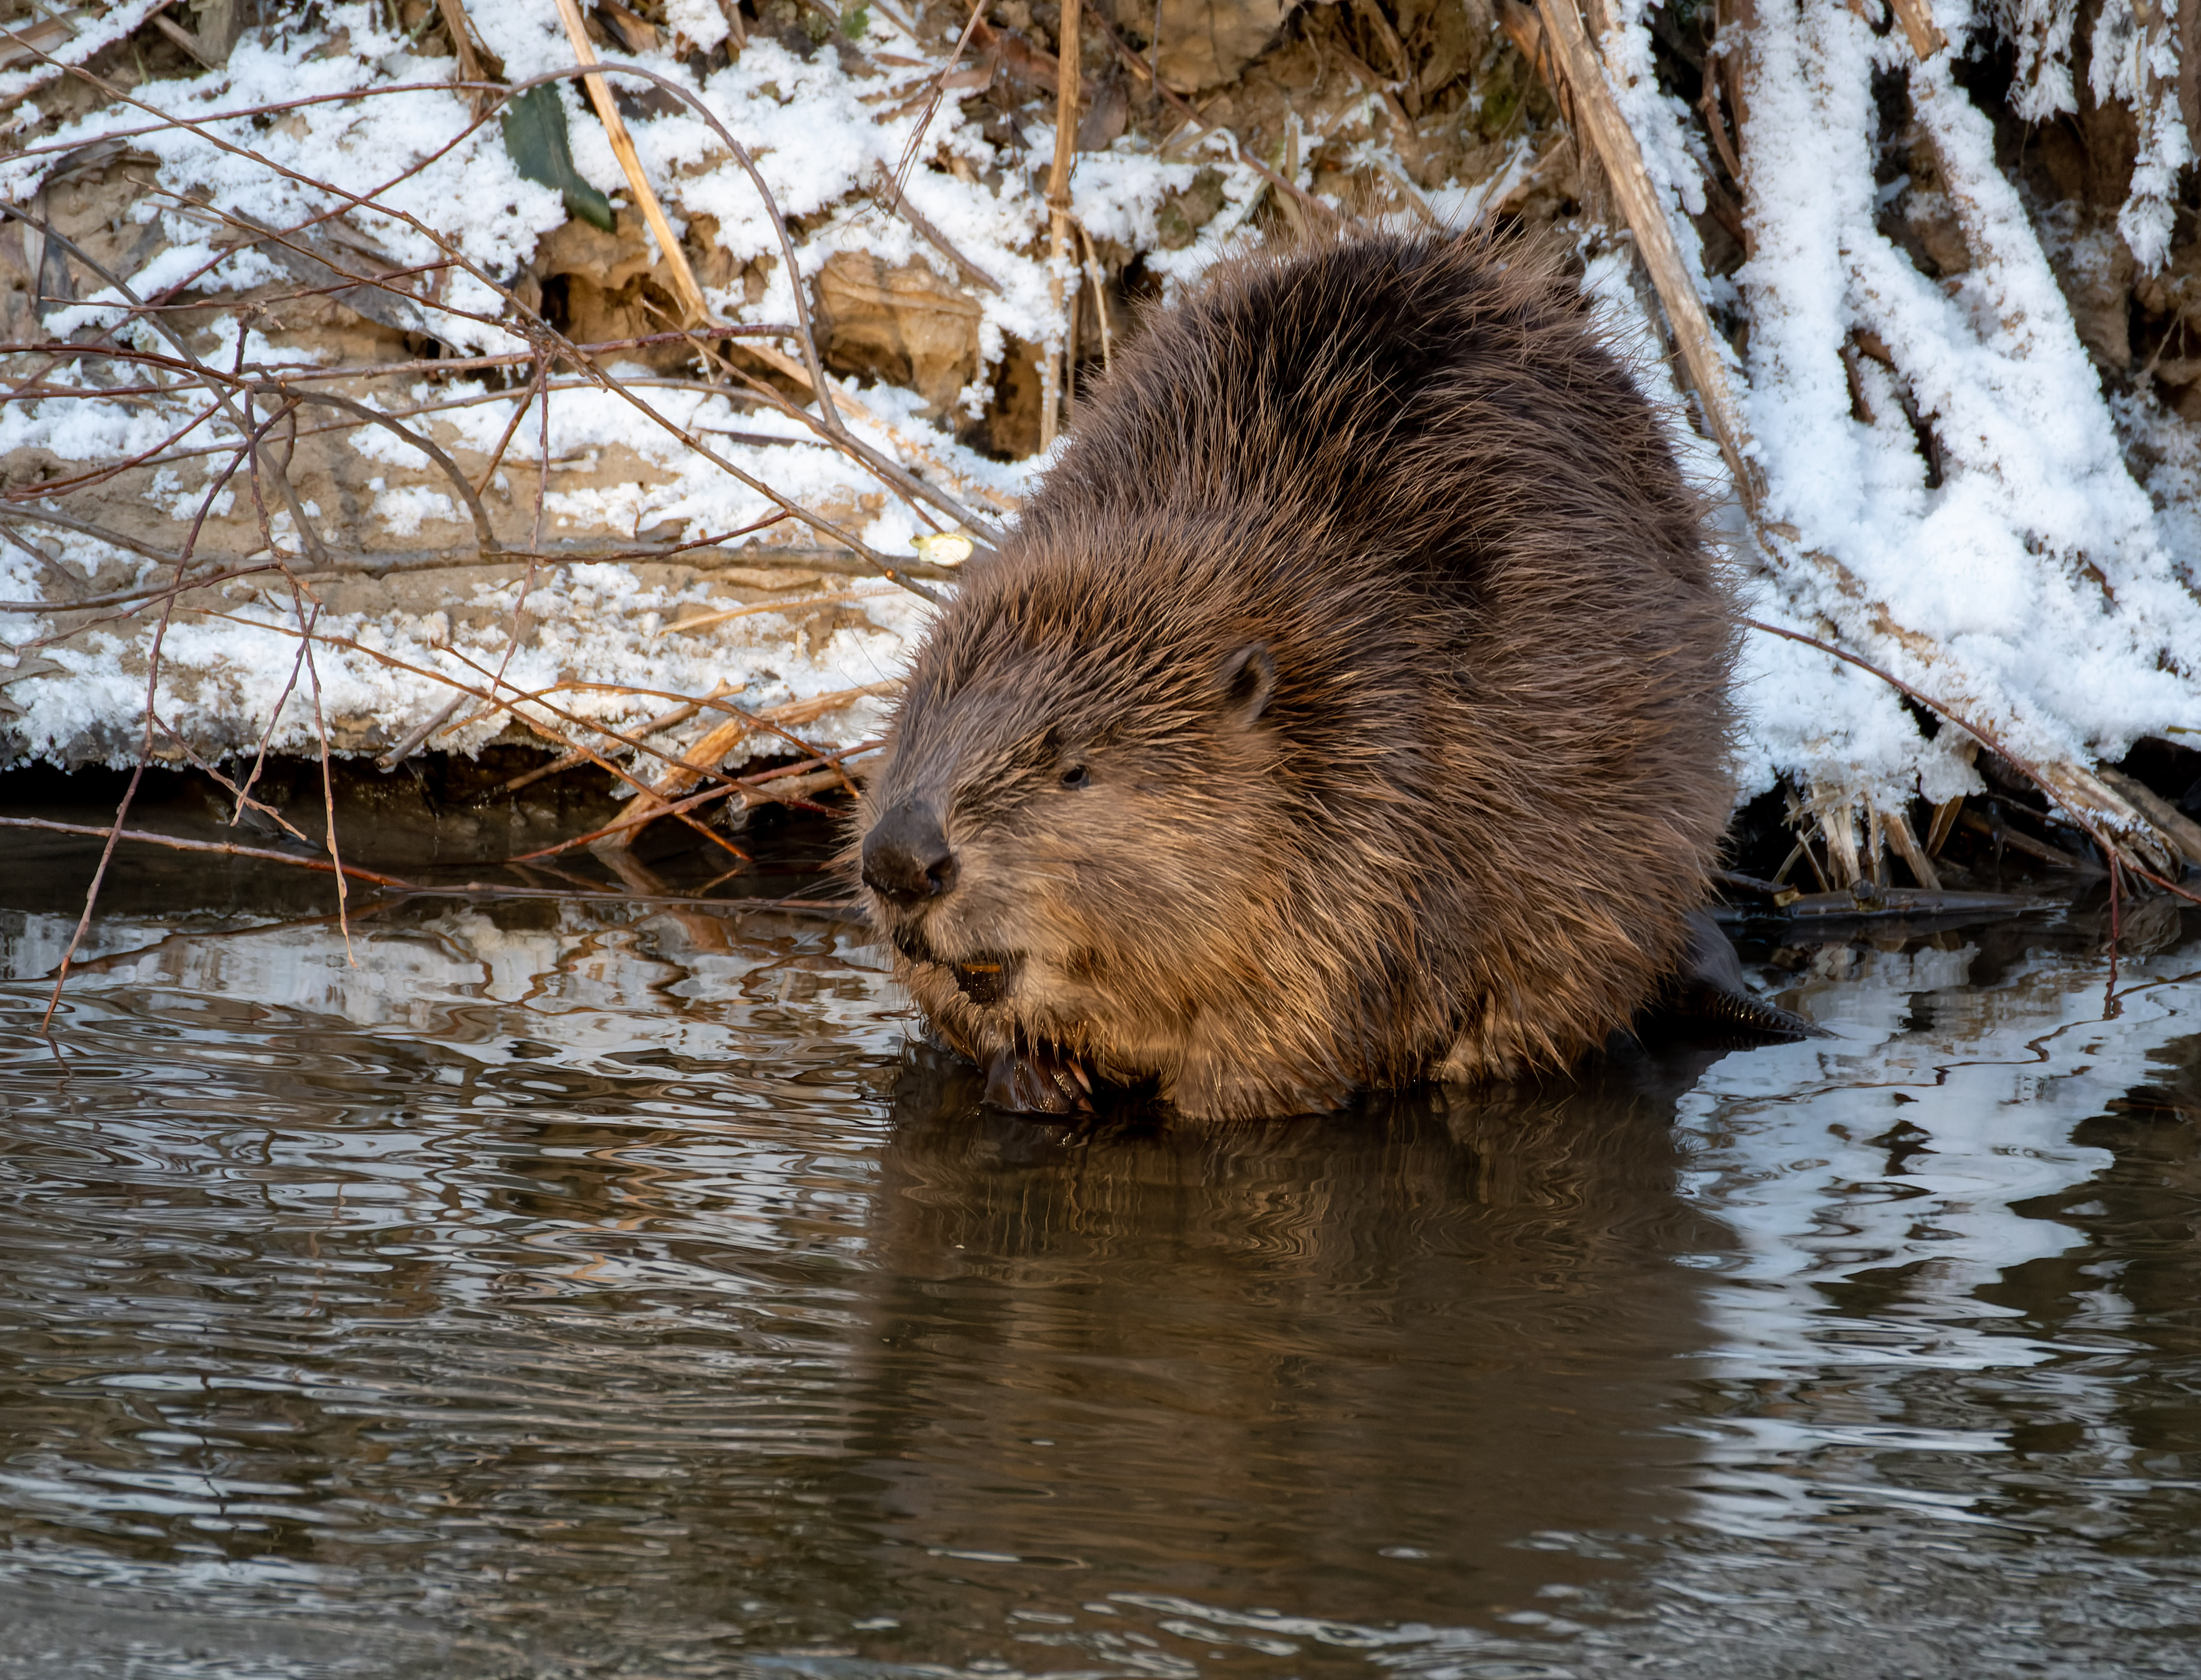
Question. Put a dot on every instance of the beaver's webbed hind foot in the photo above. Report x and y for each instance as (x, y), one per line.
(1709, 991)
(1043, 1079)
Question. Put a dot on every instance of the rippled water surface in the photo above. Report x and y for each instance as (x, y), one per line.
(575, 1290)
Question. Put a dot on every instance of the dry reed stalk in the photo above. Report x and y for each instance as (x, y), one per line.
(1372, 14)
(183, 39)
(1838, 825)
(688, 626)
(708, 755)
(1916, 18)
(462, 47)
(2182, 830)
(600, 95)
(1945, 820)
(1054, 370)
(1895, 824)
(1100, 297)
(1597, 120)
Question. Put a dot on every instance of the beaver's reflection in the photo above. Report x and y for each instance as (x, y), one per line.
(1349, 1365)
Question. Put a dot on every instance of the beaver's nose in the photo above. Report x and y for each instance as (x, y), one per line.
(907, 857)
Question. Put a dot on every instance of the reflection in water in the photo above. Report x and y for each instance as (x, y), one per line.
(1357, 1360)
(566, 1291)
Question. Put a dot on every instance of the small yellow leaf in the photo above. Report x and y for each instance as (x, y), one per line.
(948, 548)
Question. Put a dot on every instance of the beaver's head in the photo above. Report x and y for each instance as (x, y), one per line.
(1080, 822)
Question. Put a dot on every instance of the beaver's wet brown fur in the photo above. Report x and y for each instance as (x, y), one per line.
(1349, 708)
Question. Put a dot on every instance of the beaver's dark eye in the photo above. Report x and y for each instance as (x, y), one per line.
(1075, 777)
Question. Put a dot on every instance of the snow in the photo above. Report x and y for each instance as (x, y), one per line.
(2040, 584)
(2140, 67)
(90, 37)
(2038, 568)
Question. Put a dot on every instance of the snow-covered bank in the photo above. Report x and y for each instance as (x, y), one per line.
(1951, 493)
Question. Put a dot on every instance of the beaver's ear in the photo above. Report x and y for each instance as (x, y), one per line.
(1248, 678)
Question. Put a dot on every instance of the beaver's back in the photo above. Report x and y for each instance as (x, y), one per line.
(1448, 405)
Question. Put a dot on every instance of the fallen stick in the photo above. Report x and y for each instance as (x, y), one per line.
(2017, 841)
(704, 758)
(1917, 19)
(797, 781)
(898, 201)
(405, 749)
(1869, 902)
(847, 908)
(1054, 369)
(1597, 120)
(175, 843)
(1904, 841)
(658, 725)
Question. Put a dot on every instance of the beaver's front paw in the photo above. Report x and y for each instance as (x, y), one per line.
(1045, 1080)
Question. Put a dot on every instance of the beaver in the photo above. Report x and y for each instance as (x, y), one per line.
(1350, 706)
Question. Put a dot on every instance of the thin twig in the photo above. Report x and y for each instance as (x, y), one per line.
(1329, 213)
(535, 391)
(419, 737)
(328, 775)
(537, 326)
(908, 159)
(224, 846)
(898, 201)
(137, 773)
(243, 798)
(656, 726)
(742, 784)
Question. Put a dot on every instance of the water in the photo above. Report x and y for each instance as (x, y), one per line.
(575, 1290)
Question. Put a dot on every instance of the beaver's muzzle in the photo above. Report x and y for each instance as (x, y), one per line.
(907, 856)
